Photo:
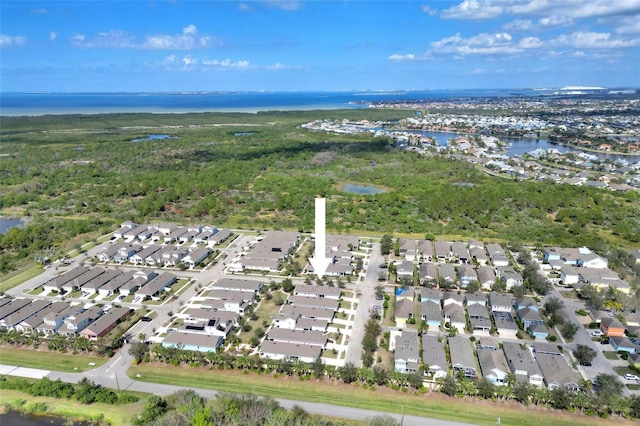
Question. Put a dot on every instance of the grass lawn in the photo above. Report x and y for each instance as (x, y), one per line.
(611, 355)
(435, 405)
(16, 278)
(115, 414)
(266, 311)
(49, 360)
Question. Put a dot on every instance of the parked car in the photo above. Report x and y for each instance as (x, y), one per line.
(586, 364)
(596, 333)
(630, 376)
(604, 342)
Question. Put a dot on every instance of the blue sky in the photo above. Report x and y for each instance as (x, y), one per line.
(159, 45)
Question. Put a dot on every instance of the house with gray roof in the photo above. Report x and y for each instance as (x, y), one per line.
(219, 237)
(56, 284)
(31, 323)
(300, 337)
(405, 270)
(475, 298)
(75, 323)
(199, 342)
(500, 302)
(269, 253)
(446, 272)
(113, 285)
(431, 313)
(462, 357)
(105, 323)
(238, 284)
(430, 294)
(427, 273)
(12, 320)
(314, 302)
(425, 250)
(289, 351)
(94, 285)
(480, 319)
(466, 274)
(407, 249)
(455, 316)
(310, 290)
(479, 255)
(452, 297)
(557, 372)
(407, 352)
(405, 309)
(434, 357)
(493, 366)
(196, 256)
(529, 317)
(460, 252)
(505, 324)
(442, 251)
(623, 344)
(522, 364)
(486, 276)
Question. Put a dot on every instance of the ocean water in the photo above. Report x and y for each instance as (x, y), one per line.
(15, 104)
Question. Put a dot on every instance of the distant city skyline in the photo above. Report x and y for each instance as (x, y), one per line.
(272, 45)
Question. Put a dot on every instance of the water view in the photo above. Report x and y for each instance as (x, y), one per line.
(6, 224)
(362, 189)
(154, 137)
(15, 418)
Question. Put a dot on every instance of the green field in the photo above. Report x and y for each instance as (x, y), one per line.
(433, 405)
(49, 360)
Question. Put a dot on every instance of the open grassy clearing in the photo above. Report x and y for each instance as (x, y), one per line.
(46, 360)
(16, 278)
(434, 405)
(117, 415)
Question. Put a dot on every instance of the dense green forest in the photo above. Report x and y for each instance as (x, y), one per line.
(71, 174)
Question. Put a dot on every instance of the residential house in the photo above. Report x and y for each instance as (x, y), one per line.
(505, 325)
(407, 249)
(522, 364)
(318, 291)
(623, 344)
(30, 324)
(140, 278)
(557, 372)
(238, 284)
(611, 327)
(107, 253)
(497, 255)
(475, 298)
(569, 275)
(488, 343)
(512, 279)
(407, 352)
(107, 322)
(75, 323)
(493, 366)
(52, 321)
(462, 357)
(404, 270)
(199, 342)
(447, 273)
(466, 274)
(125, 252)
(219, 237)
(56, 284)
(196, 256)
(452, 297)
(404, 311)
(500, 302)
(140, 258)
(114, 284)
(158, 284)
(454, 315)
(425, 250)
(427, 273)
(434, 357)
(529, 317)
(460, 252)
(479, 256)
(300, 337)
(289, 351)
(314, 302)
(271, 251)
(430, 294)
(486, 276)
(539, 331)
(94, 285)
(480, 319)
(13, 319)
(431, 313)
(442, 251)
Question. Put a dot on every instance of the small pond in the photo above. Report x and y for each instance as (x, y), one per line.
(15, 418)
(362, 189)
(154, 137)
(6, 224)
(243, 133)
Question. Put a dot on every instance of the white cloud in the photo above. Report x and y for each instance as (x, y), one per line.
(39, 11)
(227, 63)
(488, 9)
(190, 29)
(478, 71)
(473, 9)
(556, 21)
(518, 25)
(243, 7)
(428, 10)
(592, 40)
(530, 43)
(189, 39)
(12, 41)
(625, 24)
(485, 44)
(288, 5)
(53, 35)
(276, 67)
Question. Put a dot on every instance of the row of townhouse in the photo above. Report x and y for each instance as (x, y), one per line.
(472, 251)
(601, 278)
(269, 253)
(338, 248)
(144, 284)
(205, 329)
(47, 317)
(299, 330)
(168, 233)
(581, 257)
(617, 331)
(540, 364)
(482, 311)
(429, 273)
(153, 255)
